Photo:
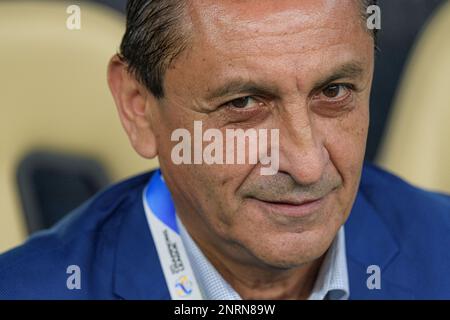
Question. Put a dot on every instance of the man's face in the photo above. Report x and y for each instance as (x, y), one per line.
(303, 67)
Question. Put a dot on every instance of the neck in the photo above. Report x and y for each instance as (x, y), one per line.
(256, 282)
(250, 278)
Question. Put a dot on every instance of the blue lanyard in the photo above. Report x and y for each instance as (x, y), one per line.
(161, 218)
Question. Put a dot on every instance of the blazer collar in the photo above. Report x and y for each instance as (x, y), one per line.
(370, 242)
(137, 271)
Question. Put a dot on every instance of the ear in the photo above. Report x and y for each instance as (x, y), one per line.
(134, 105)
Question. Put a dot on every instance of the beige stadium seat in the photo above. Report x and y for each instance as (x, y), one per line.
(417, 143)
(53, 94)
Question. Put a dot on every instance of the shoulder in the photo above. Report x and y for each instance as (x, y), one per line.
(86, 238)
(419, 222)
(390, 194)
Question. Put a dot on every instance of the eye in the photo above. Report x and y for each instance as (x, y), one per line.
(336, 91)
(242, 103)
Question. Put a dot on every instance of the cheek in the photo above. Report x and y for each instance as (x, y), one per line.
(345, 141)
(345, 138)
(217, 186)
(211, 189)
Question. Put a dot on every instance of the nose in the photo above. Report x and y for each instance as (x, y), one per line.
(303, 154)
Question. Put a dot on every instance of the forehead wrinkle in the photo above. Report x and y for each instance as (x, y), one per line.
(232, 46)
(222, 21)
(275, 45)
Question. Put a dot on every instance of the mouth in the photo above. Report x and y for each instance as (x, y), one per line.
(293, 208)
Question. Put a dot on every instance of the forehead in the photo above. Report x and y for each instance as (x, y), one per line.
(271, 37)
(247, 21)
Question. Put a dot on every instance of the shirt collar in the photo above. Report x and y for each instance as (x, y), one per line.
(211, 283)
(331, 283)
(332, 280)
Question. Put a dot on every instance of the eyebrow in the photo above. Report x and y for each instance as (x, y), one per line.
(351, 70)
(238, 85)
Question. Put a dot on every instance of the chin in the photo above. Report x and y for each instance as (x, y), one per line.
(291, 250)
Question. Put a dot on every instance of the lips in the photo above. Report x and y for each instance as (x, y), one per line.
(291, 202)
(291, 207)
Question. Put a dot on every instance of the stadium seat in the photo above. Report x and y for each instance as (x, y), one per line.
(54, 96)
(416, 145)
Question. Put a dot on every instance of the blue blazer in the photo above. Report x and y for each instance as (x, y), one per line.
(402, 229)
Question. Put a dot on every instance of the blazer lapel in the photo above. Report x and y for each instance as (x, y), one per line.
(137, 272)
(370, 242)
